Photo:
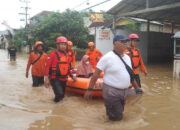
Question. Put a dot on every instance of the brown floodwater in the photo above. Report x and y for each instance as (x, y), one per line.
(23, 107)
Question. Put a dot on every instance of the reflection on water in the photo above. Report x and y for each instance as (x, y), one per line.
(24, 107)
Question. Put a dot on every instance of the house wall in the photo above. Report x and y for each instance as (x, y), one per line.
(123, 22)
(104, 45)
(153, 27)
(167, 28)
(159, 48)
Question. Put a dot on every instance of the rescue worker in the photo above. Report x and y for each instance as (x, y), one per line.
(37, 59)
(71, 54)
(136, 59)
(58, 68)
(94, 54)
(12, 52)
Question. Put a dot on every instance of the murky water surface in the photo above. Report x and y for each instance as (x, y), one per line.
(23, 107)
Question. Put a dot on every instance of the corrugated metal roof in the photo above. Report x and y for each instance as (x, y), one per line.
(98, 24)
(158, 10)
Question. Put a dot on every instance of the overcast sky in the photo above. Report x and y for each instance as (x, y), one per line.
(10, 9)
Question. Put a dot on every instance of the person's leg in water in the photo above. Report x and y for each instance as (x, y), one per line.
(35, 81)
(41, 80)
(12, 58)
(115, 109)
(59, 89)
(114, 100)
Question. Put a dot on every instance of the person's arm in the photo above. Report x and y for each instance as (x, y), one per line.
(135, 85)
(71, 72)
(142, 66)
(98, 56)
(28, 65)
(93, 80)
(73, 60)
(47, 67)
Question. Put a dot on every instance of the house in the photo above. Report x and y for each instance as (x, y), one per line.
(3, 39)
(134, 24)
(98, 25)
(38, 17)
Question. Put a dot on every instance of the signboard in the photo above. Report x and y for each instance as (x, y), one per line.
(97, 17)
(104, 34)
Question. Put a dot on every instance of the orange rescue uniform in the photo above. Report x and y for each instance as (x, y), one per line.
(38, 68)
(136, 60)
(94, 57)
(72, 57)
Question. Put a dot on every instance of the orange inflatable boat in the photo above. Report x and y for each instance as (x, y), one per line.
(80, 86)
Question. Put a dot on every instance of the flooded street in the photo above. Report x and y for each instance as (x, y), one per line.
(23, 107)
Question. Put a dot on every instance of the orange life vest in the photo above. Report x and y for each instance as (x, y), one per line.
(61, 69)
(38, 68)
(135, 57)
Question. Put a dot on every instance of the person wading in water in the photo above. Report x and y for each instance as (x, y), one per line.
(37, 59)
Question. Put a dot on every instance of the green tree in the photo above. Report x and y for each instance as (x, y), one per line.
(132, 26)
(68, 23)
(18, 39)
(106, 15)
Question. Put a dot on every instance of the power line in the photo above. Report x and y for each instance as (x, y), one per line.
(86, 1)
(95, 5)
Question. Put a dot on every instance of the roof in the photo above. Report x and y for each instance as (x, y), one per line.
(153, 10)
(98, 24)
(42, 13)
(138, 20)
(5, 32)
(145, 21)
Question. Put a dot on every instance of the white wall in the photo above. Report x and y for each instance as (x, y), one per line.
(104, 45)
(176, 69)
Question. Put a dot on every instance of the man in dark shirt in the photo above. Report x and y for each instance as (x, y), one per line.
(12, 52)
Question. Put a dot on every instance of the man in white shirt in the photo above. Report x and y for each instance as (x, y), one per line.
(116, 79)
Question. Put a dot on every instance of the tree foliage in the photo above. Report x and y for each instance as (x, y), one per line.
(132, 26)
(106, 16)
(47, 28)
(68, 23)
(18, 39)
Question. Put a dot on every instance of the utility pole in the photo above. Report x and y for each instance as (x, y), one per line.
(25, 13)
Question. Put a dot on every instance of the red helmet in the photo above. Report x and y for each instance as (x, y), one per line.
(133, 36)
(61, 39)
(38, 43)
(91, 44)
(70, 43)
